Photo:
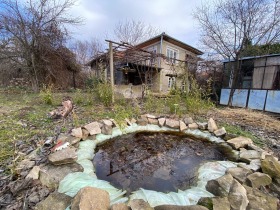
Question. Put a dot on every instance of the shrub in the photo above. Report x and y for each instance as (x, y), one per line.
(46, 94)
(104, 93)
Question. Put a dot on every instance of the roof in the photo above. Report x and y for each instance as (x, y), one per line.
(170, 40)
(250, 57)
(153, 40)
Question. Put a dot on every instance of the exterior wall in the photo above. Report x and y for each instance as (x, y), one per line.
(266, 100)
(178, 68)
(128, 91)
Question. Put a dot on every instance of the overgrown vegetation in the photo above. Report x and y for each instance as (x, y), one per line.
(46, 94)
(237, 130)
(23, 115)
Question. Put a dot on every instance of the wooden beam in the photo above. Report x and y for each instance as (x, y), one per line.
(112, 69)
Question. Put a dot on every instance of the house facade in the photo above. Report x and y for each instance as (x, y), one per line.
(177, 57)
(258, 84)
(160, 63)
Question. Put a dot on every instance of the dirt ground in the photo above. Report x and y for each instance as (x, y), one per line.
(263, 125)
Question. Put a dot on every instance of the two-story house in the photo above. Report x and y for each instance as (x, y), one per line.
(162, 69)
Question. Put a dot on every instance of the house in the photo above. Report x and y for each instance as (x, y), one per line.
(159, 63)
(258, 84)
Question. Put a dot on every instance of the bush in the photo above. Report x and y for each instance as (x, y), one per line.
(104, 93)
(46, 94)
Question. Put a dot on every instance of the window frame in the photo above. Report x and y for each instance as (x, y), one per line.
(171, 82)
(172, 60)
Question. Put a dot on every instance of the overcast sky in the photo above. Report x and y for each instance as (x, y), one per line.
(173, 17)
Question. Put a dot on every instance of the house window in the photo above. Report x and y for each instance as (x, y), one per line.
(171, 55)
(171, 82)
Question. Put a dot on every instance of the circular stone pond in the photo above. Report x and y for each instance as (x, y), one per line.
(162, 161)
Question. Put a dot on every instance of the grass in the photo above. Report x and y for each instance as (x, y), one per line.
(237, 130)
(23, 115)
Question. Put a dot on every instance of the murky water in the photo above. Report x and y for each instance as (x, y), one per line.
(161, 161)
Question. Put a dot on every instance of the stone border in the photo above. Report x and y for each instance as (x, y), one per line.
(251, 157)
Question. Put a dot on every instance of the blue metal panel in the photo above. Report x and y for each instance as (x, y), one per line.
(240, 97)
(257, 99)
(273, 101)
(224, 96)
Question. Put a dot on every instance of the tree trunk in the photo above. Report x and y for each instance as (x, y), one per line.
(234, 79)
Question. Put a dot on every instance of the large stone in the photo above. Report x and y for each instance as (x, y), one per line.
(274, 189)
(34, 173)
(254, 147)
(255, 165)
(220, 132)
(237, 196)
(128, 122)
(72, 140)
(183, 126)
(85, 133)
(259, 200)
(193, 126)
(119, 206)
(91, 198)
(239, 142)
(221, 203)
(232, 154)
(51, 175)
(107, 127)
(202, 126)
(150, 116)
(77, 132)
(240, 174)
(247, 155)
(142, 121)
(188, 120)
(258, 179)
(212, 126)
(172, 123)
(220, 186)
(271, 166)
(153, 121)
(174, 207)
(161, 121)
(65, 156)
(93, 128)
(133, 120)
(215, 203)
(139, 204)
(107, 122)
(206, 202)
(55, 201)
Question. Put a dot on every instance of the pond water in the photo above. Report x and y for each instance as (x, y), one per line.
(160, 161)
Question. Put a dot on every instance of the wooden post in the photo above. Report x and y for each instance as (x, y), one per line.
(111, 69)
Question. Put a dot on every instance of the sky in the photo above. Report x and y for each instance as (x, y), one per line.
(173, 17)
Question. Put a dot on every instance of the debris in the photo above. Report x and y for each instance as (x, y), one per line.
(62, 112)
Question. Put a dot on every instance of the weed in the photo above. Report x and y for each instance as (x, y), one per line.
(123, 110)
(46, 94)
(78, 97)
(104, 93)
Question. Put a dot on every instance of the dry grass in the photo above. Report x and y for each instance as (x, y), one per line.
(247, 117)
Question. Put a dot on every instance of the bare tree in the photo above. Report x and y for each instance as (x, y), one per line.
(134, 32)
(229, 26)
(34, 31)
(86, 50)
